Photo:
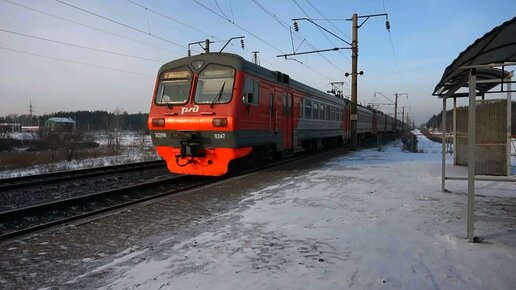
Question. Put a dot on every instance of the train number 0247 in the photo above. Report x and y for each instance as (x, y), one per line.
(219, 136)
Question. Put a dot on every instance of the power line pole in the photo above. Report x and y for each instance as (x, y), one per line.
(354, 73)
(354, 64)
(395, 112)
(354, 83)
(396, 109)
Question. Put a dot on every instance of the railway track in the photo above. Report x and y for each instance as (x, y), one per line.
(55, 177)
(33, 218)
(21, 221)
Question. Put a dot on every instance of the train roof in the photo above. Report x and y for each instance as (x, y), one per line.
(240, 63)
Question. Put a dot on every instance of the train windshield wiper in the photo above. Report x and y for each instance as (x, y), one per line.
(218, 96)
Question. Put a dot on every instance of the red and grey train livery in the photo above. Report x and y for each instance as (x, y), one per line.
(210, 109)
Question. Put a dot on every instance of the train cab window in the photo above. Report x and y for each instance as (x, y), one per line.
(316, 111)
(308, 109)
(251, 86)
(215, 84)
(174, 86)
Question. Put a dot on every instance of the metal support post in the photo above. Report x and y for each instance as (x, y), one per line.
(443, 146)
(402, 120)
(395, 126)
(509, 128)
(471, 153)
(454, 130)
(207, 46)
(354, 84)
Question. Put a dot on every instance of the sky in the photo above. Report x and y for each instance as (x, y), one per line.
(68, 55)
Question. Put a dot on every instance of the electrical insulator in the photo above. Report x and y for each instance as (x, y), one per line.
(296, 26)
(388, 25)
(242, 43)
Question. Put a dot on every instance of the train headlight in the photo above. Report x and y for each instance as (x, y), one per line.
(219, 122)
(158, 122)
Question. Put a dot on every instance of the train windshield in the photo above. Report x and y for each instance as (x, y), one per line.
(215, 84)
(174, 86)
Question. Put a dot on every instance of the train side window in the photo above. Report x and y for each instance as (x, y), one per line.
(271, 104)
(327, 112)
(289, 104)
(285, 109)
(301, 108)
(308, 109)
(316, 111)
(251, 86)
(332, 116)
(321, 112)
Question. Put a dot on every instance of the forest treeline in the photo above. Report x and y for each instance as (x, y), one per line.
(435, 120)
(87, 120)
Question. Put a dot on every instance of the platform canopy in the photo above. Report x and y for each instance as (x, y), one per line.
(496, 47)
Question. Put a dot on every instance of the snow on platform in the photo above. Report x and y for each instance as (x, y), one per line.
(366, 220)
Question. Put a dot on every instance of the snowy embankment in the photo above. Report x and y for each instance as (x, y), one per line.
(134, 147)
(366, 220)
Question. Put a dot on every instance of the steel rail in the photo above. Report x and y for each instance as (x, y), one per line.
(41, 211)
(59, 176)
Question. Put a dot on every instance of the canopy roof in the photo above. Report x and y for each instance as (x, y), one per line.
(496, 47)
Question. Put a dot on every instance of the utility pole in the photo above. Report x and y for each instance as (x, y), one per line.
(402, 120)
(31, 110)
(354, 83)
(396, 109)
(355, 73)
(354, 63)
(395, 112)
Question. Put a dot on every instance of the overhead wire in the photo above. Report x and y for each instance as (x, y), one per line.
(90, 27)
(132, 28)
(74, 62)
(324, 34)
(120, 23)
(287, 27)
(257, 37)
(334, 26)
(264, 59)
(394, 51)
(239, 26)
(328, 20)
(227, 18)
(81, 46)
(169, 18)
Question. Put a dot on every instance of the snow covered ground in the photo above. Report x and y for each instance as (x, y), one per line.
(365, 220)
(134, 147)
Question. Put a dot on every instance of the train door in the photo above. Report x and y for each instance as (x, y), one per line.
(285, 119)
(278, 119)
(272, 115)
(289, 122)
(283, 116)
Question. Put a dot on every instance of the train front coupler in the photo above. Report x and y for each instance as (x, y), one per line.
(190, 147)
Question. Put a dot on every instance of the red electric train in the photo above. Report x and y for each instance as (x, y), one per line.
(211, 109)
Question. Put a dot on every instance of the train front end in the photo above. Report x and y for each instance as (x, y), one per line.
(191, 119)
